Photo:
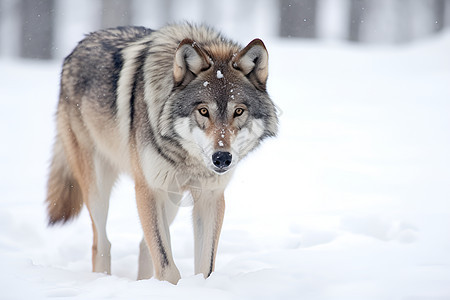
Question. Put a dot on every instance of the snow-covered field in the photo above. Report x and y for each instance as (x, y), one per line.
(351, 201)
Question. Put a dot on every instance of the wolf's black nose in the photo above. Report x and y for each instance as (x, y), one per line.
(221, 159)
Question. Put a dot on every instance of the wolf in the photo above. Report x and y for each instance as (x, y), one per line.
(175, 107)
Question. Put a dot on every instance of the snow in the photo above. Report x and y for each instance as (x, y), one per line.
(351, 201)
(219, 74)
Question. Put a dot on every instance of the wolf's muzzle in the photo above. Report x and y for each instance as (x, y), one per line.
(221, 160)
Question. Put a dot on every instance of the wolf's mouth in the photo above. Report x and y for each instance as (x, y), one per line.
(221, 171)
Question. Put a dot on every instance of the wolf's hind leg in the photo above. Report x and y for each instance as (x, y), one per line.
(98, 205)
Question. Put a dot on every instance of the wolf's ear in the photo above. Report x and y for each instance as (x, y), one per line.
(189, 61)
(253, 62)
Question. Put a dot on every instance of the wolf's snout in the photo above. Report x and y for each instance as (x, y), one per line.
(221, 159)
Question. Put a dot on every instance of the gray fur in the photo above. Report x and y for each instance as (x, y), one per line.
(91, 73)
(120, 110)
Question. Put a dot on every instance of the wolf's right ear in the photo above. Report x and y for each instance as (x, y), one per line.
(189, 61)
(253, 62)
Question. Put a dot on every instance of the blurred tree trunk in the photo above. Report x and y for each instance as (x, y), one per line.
(405, 13)
(116, 13)
(37, 29)
(166, 7)
(208, 9)
(298, 18)
(1, 18)
(439, 12)
(358, 13)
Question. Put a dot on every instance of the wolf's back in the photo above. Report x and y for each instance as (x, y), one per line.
(93, 68)
(90, 73)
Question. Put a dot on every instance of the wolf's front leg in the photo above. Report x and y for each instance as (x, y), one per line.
(145, 270)
(151, 209)
(209, 208)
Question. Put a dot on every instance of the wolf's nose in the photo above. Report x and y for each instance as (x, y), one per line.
(221, 159)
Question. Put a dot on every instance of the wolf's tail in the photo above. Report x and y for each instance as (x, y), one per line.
(64, 197)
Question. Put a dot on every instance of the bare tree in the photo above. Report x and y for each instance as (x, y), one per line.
(208, 8)
(358, 14)
(166, 10)
(403, 29)
(298, 18)
(1, 17)
(37, 28)
(116, 13)
(439, 12)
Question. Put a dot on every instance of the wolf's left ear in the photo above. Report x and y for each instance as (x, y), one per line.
(253, 62)
(189, 61)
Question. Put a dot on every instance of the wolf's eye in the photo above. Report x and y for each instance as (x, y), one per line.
(238, 112)
(204, 112)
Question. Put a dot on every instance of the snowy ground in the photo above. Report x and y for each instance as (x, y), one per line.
(351, 201)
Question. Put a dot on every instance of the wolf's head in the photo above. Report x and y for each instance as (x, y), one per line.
(220, 101)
